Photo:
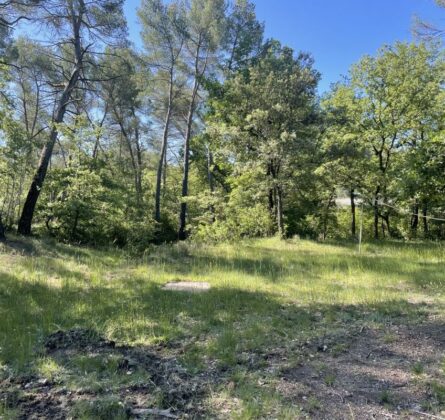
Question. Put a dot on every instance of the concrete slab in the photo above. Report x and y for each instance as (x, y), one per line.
(187, 286)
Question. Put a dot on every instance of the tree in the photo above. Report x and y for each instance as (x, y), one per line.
(346, 157)
(427, 30)
(163, 33)
(389, 104)
(80, 25)
(267, 117)
(244, 35)
(121, 93)
(205, 23)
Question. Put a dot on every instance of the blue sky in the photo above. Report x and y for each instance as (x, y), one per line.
(336, 32)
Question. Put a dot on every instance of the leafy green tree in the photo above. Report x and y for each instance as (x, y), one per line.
(386, 105)
(266, 117)
(244, 35)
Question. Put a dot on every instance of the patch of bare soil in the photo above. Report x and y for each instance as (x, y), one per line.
(362, 373)
(181, 394)
(370, 374)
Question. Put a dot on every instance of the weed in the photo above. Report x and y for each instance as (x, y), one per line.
(417, 368)
(329, 379)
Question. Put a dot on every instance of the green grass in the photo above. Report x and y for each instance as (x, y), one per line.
(264, 293)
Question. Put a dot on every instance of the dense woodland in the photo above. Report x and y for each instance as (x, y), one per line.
(210, 131)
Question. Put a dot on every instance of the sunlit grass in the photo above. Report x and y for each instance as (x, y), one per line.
(264, 293)
(66, 287)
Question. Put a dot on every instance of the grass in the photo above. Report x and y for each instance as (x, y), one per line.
(265, 294)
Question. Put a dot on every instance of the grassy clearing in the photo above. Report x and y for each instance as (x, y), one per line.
(275, 310)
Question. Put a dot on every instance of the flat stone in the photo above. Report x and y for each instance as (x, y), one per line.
(187, 286)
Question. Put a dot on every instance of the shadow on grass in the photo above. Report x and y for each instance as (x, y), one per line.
(234, 327)
(303, 264)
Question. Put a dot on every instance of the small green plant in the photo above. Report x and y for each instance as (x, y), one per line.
(329, 379)
(438, 392)
(389, 338)
(417, 368)
(338, 349)
(48, 368)
(313, 404)
(96, 364)
(385, 397)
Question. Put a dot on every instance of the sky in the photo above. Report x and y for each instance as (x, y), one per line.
(336, 32)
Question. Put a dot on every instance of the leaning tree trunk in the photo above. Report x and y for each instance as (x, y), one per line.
(25, 221)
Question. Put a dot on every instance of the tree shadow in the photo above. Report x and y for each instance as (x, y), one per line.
(234, 327)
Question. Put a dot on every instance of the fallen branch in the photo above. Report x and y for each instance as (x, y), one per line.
(431, 416)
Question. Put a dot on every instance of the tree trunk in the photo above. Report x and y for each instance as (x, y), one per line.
(280, 217)
(2, 231)
(353, 220)
(415, 219)
(385, 221)
(210, 181)
(182, 233)
(140, 197)
(162, 157)
(376, 213)
(425, 220)
(136, 161)
(25, 221)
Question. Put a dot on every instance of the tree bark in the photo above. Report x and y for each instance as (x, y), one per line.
(353, 220)
(25, 222)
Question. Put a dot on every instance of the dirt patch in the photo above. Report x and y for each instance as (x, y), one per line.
(161, 380)
(355, 373)
(187, 286)
(369, 374)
